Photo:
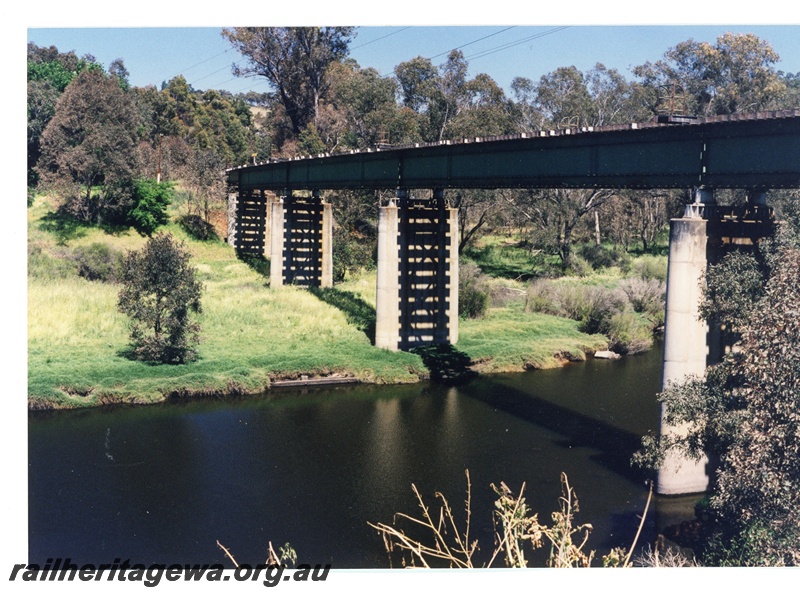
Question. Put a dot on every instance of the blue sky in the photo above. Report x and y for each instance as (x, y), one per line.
(204, 57)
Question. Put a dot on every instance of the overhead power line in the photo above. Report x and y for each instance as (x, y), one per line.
(516, 43)
(380, 38)
(472, 42)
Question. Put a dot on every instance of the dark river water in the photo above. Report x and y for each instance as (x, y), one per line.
(163, 483)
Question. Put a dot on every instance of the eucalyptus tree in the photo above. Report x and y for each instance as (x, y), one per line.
(295, 61)
(736, 74)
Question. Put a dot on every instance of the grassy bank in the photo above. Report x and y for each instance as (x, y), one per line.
(252, 334)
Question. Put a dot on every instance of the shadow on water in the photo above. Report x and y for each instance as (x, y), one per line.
(357, 311)
(614, 446)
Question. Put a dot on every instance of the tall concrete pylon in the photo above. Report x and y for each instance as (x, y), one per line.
(696, 241)
(686, 350)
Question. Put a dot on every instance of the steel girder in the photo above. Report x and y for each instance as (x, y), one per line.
(741, 151)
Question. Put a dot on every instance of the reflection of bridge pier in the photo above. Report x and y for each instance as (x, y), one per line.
(690, 345)
(417, 299)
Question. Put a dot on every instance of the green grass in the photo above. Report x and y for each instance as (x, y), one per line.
(509, 339)
(251, 334)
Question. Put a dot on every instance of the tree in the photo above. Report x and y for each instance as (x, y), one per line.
(295, 61)
(556, 215)
(88, 146)
(49, 73)
(734, 75)
(159, 293)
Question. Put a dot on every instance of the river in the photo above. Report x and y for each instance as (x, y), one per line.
(163, 483)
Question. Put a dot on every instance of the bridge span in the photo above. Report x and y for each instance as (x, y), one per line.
(276, 210)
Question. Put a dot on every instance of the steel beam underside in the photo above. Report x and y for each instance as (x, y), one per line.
(738, 154)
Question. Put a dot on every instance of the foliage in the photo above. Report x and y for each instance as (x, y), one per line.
(98, 261)
(735, 74)
(627, 333)
(649, 267)
(295, 61)
(733, 287)
(197, 227)
(474, 294)
(608, 311)
(149, 207)
(600, 256)
(646, 295)
(355, 233)
(88, 146)
(160, 291)
(744, 413)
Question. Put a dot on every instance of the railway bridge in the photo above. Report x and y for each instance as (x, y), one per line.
(417, 298)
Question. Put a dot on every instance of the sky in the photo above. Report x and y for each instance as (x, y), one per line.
(204, 57)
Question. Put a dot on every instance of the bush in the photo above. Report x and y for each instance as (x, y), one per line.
(628, 333)
(149, 205)
(98, 262)
(600, 310)
(650, 267)
(600, 256)
(159, 292)
(646, 295)
(578, 266)
(474, 294)
(353, 250)
(743, 414)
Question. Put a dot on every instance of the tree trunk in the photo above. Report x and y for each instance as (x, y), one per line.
(596, 228)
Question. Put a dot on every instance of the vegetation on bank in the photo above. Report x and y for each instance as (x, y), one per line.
(78, 342)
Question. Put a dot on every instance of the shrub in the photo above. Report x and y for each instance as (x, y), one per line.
(596, 307)
(578, 266)
(743, 414)
(149, 205)
(628, 333)
(542, 297)
(650, 267)
(43, 265)
(646, 295)
(353, 250)
(159, 292)
(474, 295)
(98, 262)
(601, 256)
(593, 306)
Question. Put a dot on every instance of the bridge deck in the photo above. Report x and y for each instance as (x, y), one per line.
(760, 150)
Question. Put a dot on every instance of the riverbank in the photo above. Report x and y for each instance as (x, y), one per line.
(252, 336)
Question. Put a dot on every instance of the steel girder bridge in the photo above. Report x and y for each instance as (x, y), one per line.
(749, 151)
(417, 294)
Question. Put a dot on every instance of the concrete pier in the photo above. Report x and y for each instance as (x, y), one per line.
(387, 302)
(417, 286)
(249, 229)
(685, 340)
(301, 247)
